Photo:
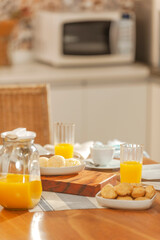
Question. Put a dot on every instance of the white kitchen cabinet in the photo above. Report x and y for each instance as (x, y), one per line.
(67, 106)
(103, 111)
(105, 102)
(154, 137)
(117, 111)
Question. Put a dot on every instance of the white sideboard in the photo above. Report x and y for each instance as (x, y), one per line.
(105, 103)
(154, 118)
(105, 111)
(117, 111)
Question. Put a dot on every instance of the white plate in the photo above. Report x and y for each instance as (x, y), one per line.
(62, 170)
(113, 164)
(124, 204)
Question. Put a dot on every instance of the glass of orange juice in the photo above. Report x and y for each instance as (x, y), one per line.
(131, 157)
(64, 134)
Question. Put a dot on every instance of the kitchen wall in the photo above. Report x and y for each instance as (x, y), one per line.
(24, 11)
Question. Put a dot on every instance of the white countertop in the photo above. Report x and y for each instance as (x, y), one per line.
(41, 73)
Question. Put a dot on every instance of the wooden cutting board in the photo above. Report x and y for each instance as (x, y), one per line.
(86, 183)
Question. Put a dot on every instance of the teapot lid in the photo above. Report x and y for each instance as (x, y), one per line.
(19, 134)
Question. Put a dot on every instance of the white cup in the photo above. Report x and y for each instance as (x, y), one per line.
(101, 155)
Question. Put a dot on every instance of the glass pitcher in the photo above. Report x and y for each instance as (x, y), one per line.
(20, 182)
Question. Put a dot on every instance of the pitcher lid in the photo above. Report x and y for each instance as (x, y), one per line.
(19, 134)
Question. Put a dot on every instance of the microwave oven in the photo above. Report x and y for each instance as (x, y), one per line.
(84, 38)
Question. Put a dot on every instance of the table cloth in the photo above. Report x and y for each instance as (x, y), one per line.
(51, 201)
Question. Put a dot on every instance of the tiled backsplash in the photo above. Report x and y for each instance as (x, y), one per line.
(8, 8)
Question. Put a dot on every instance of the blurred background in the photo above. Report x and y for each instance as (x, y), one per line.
(100, 57)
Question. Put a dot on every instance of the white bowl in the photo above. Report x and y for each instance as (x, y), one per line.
(124, 204)
(62, 170)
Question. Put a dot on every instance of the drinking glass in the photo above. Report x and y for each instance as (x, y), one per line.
(64, 134)
(131, 157)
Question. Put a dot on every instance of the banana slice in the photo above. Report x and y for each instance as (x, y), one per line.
(72, 162)
(56, 161)
(43, 161)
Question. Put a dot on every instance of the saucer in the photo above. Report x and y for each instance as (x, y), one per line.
(113, 164)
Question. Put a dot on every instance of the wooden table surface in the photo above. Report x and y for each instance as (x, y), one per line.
(82, 224)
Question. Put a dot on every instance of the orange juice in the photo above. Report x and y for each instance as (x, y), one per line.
(17, 192)
(64, 149)
(130, 172)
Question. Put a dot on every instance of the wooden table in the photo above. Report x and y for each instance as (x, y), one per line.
(82, 224)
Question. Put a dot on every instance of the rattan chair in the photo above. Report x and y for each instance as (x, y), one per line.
(26, 106)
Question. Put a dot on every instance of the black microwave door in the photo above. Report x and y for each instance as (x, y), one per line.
(86, 38)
